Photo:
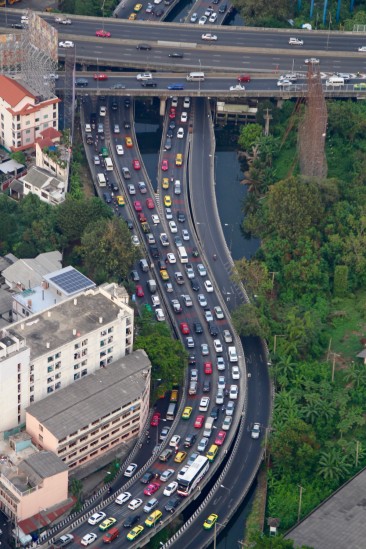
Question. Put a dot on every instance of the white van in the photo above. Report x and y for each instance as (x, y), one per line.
(195, 76)
(101, 179)
(233, 355)
(335, 81)
(182, 254)
(108, 164)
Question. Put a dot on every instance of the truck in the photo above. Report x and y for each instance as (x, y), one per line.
(151, 284)
(208, 427)
(93, 119)
(63, 540)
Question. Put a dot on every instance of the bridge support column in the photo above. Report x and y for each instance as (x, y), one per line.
(279, 103)
(162, 106)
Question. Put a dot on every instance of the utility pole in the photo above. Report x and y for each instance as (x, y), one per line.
(333, 364)
(267, 117)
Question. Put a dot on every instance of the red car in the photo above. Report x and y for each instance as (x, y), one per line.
(172, 113)
(139, 291)
(165, 165)
(142, 217)
(244, 78)
(150, 203)
(137, 206)
(103, 33)
(155, 419)
(199, 422)
(207, 368)
(219, 440)
(136, 164)
(152, 488)
(184, 328)
(100, 76)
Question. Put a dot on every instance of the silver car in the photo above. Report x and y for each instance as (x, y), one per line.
(202, 445)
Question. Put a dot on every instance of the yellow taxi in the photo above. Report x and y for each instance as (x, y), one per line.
(137, 7)
(210, 521)
(132, 17)
(153, 518)
(179, 159)
(120, 200)
(165, 183)
(181, 456)
(187, 412)
(107, 523)
(167, 201)
(164, 274)
(135, 532)
(128, 142)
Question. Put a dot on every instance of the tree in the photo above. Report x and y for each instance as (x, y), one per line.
(356, 374)
(248, 321)
(249, 135)
(333, 465)
(273, 542)
(340, 284)
(253, 274)
(107, 250)
(73, 216)
(18, 156)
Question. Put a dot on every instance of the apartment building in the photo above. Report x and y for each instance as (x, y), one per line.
(23, 116)
(95, 415)
(60, 345)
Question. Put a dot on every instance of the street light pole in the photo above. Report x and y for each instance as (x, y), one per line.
(199, 80)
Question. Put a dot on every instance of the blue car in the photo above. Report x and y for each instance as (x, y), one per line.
(176, 87)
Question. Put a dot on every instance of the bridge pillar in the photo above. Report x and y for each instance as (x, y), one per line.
(162, 106)
(279, 103)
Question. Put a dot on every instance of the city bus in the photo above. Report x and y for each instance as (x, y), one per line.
(193, 476)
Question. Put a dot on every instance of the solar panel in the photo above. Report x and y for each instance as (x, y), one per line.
(71, 281)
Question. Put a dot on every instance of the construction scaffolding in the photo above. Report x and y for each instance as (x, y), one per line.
(313, 127)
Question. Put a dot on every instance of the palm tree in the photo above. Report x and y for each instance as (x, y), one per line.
(356, 374)
(332, 465)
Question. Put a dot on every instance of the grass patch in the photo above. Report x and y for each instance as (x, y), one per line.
(348, 327)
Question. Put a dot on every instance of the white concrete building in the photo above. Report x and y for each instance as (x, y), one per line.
(23, 117)
(48, 188)
(27, 273)
(62, 344)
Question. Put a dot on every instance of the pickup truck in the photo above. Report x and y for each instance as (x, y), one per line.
(63, 540)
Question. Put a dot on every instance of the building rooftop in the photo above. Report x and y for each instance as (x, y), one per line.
(12, 92)
(29, 272)
(92, 397)
(66, 321)
(43, 464)
(339, 522)
(41, 179)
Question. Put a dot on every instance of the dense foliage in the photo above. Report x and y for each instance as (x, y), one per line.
(312, 254)
(89, 7)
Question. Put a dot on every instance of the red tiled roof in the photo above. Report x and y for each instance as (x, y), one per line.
(13, 92)
(51, 133)
(32, 524)
(44, 142)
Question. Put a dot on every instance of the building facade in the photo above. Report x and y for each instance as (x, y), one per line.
(104, 410)
(23, 116)
(60, 345)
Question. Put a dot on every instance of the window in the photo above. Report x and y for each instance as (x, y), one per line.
(50, 369)
(40, 427)
(50, 379)
(31, 388)
(19, 368)
(45, 116)
(76, 366)
(110, 330)
(57, 355)
(31, 398)
(77, 346)
(76, 376)
(85, 342)
(27, 131)
(84, 372)
(40, 437)
(49, 390)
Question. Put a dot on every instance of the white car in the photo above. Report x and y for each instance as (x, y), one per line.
(65, 21)
(135, 240)
(174, 441)
(218, 346)
(155, 219)
(296, 42)
(213, 17)
(220, 363)
(189, 270)
(221, 384)
(202, 20)
(116, 128)
(186, 102)
(180, 133)
(131, 470)
(155, 300)
(122, 498)
(201, 269)
(204, 404)
(185, 234)
(202, 445)
(256, 430)
(165, 475)
(168, 213)
(208, 316)
(159, 313)
(184, 116)
(135, 504)
(182, 472)
(238, 87)
(144, 76)
(209, 36)
(171, 258)
(173, 227)
(187, 300)
(312, 61)
(228, 338)
(235, 372)
(97, 517)
(190, 342)
(119, 150)
(227, 423)
(131, 188)
(88, 539)
(362, 48)
(208, 286)
(204, 349)
(194, 18)
(219, 398)
(102, 111)
(234, 391)
(284, 83)
(66, 44)
(219, 313)
(170, 489)
(96, 161)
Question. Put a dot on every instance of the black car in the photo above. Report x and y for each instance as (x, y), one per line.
(206, 388)
(194, 284)
(127, 103)
(190, 440)
(126, 125)
(172, 504)
(192, 360)
(154, 252)
(131, 520)
(172, 125)
(181, 217)
(148, 84)
(176, 55)
(223, 8)
(159, 13)
(213, 329)
(147, 477)
(215, 412)
(143, 47)
(129, 224)
(114, 106)
(81, 82)
(161, 265)
(197, 326)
